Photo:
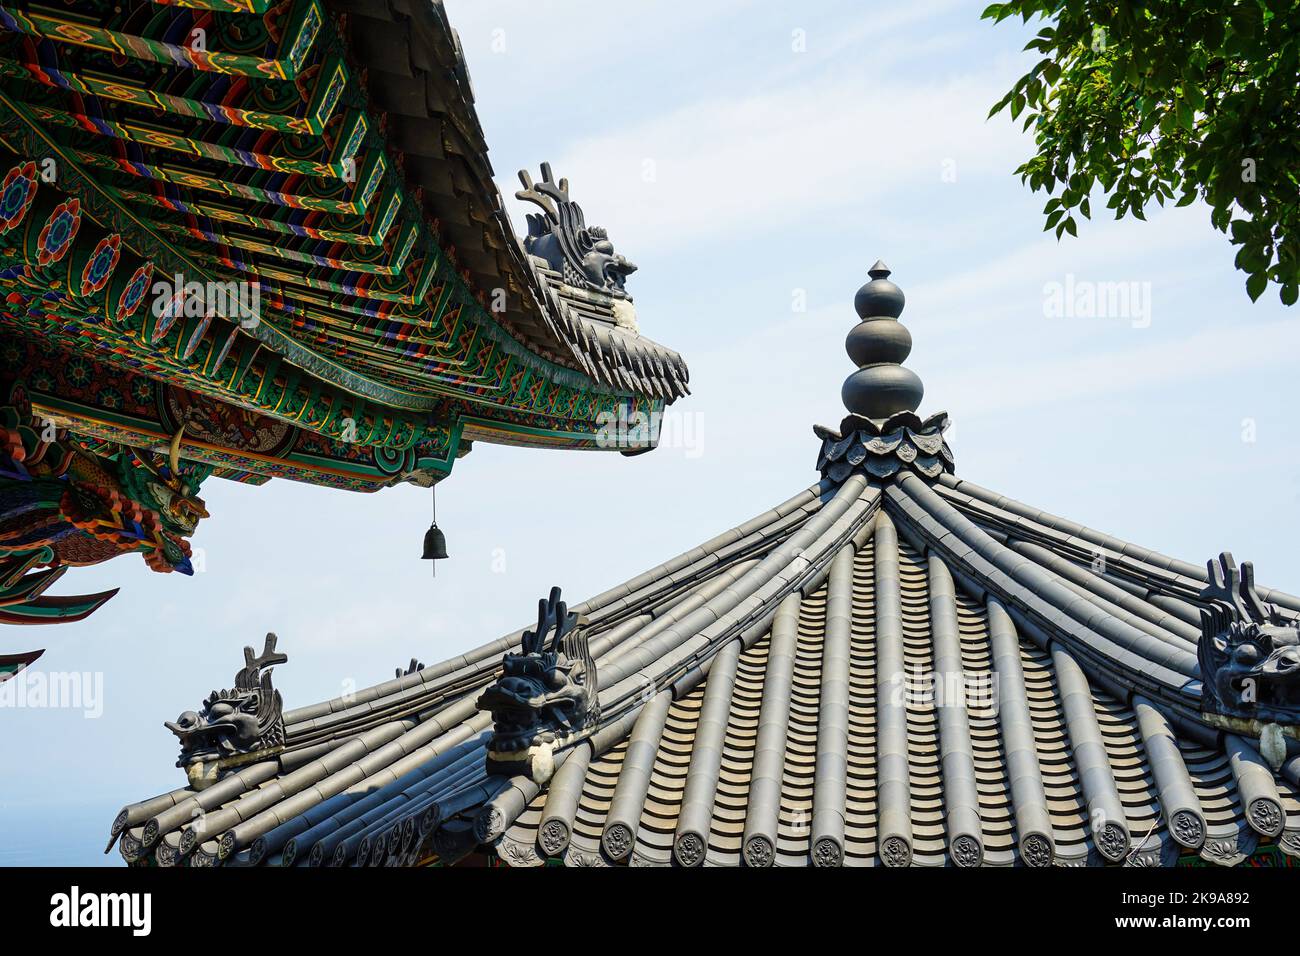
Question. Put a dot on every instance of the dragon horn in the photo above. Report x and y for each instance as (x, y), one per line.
(1259, 611)
(533, 194)
(174, 452)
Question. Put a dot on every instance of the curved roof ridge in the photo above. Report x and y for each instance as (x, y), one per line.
(1172, 567)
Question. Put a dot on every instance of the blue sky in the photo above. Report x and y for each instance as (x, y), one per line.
(749, 157)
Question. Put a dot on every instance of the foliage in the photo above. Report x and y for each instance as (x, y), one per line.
(1169, 100)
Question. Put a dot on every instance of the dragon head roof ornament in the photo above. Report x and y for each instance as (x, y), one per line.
(1249, 656)
(546, 698)
(235, 726)
(415, 666)
(173, 486)
(67, 502)
(583, 255)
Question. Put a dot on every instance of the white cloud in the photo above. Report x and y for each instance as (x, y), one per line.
(727, 166)
(997, 284)
(1224, 351)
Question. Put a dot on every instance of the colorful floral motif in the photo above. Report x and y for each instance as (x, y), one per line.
(16, 195)
(168, 313)
(60, 229)
(101, 264)
(142, 389)
(196, 337)
(224, 351)
(10, 354)
(79, 371)
(110, 398)
(133, 294)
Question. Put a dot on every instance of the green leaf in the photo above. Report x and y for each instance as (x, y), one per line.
(1166, 110)
(999, 105)
(1255, 285)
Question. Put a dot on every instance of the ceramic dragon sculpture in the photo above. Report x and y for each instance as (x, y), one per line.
(547, 696)
(1249, 656)
(234, 726)
(583, 255)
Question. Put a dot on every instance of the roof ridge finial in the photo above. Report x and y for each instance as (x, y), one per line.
(878, 345)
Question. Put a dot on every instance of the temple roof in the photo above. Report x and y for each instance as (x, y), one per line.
(896, 666)
(328, 155)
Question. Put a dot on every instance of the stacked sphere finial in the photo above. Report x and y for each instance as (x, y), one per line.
(878, 345)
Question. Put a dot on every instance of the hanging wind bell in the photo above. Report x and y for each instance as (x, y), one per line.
(435, 542)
